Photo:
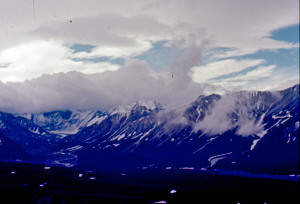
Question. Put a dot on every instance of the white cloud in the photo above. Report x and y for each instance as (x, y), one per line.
(249, 127)
(254, 46)
(239, 103)
(261, 78)
(73, 90)
(115, 52)
(28, 61)
(207, 72)
(235, 24)
(258, 73)
(218, 115)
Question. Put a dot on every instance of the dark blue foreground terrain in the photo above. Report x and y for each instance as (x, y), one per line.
(23, 183)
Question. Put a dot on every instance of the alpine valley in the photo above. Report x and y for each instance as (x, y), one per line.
(246, 131)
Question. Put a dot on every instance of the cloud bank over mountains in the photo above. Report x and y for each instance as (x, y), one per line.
(73, 90)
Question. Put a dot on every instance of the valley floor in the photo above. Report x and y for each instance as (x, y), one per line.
(29, 183)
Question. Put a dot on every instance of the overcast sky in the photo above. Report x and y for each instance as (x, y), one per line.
(77, 54)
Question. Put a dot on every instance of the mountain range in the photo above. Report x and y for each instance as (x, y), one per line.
(252, 131)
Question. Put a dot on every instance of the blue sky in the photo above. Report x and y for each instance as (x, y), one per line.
(285, 60)
(290, 34)
(161, 56)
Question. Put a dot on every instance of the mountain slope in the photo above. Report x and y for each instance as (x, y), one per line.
(251, 131)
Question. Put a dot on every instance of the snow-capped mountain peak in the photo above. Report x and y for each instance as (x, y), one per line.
(240, 130)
